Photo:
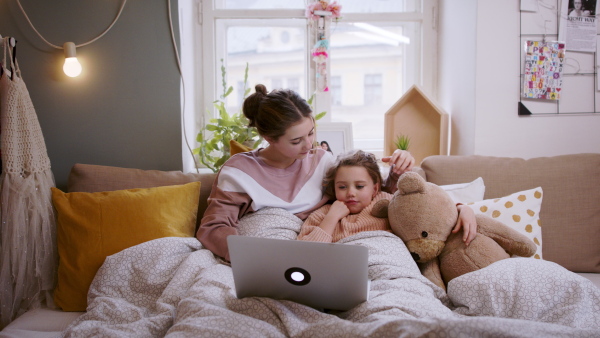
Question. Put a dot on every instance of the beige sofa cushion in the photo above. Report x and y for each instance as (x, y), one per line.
(96, 178)
(570, 214)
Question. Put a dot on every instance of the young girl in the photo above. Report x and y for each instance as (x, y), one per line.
(355, 182)
(286, 174)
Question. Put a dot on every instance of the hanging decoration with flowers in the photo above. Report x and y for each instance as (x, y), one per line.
(319, 12)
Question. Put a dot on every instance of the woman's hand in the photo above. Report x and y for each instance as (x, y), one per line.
(401, 161)
(466, 221)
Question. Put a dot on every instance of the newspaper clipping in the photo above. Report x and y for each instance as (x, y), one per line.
(579, 19)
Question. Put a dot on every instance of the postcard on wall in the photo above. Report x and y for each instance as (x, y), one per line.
(578, 25)
(543, 69)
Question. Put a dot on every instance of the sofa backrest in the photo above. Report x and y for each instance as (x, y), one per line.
(96, 178)
(570, 213)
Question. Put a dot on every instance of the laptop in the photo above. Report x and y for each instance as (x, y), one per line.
(321, 275)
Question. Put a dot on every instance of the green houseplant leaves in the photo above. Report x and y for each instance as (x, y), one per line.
(213, 139)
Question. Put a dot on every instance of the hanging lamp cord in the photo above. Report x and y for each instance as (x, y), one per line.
(80, 45)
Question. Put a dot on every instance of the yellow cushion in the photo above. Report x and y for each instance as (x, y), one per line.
(92, 226)
(236, 147)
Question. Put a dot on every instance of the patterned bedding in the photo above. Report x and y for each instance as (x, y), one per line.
(173, 287)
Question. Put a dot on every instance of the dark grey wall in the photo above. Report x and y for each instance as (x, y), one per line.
(124, 109)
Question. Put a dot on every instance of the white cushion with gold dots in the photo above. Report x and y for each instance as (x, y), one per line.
(520, 211)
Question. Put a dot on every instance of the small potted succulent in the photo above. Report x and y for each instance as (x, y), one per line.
(402, 142)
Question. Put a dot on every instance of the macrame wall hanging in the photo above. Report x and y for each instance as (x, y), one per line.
(320, 13)
(27, 225)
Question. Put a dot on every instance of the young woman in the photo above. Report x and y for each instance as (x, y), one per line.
(287, 174)
(578, 9)
(325, 146)
(355, 184)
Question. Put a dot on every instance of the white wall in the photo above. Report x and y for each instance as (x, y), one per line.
(484, 113)
(456, 78)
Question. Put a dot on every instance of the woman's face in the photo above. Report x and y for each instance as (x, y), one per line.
(324, 146)
(297, 141)
(577, 4)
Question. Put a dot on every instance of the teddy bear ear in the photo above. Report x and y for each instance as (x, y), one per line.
(380, 209)
(410, 183)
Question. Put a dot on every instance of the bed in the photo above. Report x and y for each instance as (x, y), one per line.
(173, 287)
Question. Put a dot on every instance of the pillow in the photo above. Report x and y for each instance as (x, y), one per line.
(466, 192)
(97, 178)
(519, 211)
(92, 226)
(236, 147)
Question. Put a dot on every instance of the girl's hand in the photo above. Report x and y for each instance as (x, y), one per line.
(401, 160)
(466, 221)
(338, 210)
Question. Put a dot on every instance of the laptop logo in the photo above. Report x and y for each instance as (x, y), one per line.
(297, 276)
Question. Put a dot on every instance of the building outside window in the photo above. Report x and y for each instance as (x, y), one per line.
(276, 83)
(335, 87)
(373, 89)
(293, 83)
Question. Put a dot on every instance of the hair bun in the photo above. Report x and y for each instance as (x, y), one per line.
(252, 104)
(261, 89)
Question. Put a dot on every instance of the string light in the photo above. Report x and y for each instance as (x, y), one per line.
(71, 67)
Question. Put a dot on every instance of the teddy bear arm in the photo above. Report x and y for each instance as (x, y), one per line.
(431, 271)
(380, 209)
(509, 239)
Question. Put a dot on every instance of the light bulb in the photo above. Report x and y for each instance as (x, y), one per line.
(72, 67)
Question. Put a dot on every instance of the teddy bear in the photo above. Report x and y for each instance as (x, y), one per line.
(423, 215)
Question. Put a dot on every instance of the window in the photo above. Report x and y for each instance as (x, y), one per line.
(239, 92)
(372, 89)
(335, 87)
(293, 83)
(276, 83)
(377, 51)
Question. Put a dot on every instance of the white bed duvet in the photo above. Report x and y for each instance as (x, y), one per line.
(174, 287)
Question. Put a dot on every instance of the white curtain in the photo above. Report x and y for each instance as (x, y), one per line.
(28, 256)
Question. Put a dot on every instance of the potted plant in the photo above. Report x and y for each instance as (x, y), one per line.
(402, 142)
(214, 137)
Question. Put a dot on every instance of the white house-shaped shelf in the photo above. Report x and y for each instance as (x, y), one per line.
(424, 122)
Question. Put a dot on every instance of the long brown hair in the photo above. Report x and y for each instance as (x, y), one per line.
(353, 158)
(273, 113)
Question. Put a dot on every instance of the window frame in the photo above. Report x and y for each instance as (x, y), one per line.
(210, 15)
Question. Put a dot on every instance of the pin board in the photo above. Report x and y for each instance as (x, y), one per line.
(569, 83)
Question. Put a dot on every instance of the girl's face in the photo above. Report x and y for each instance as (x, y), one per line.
(297, 141)
(324, 146)
(354, 187)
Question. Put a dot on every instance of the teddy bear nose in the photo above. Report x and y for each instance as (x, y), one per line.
(424, 234)
(415, 256)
